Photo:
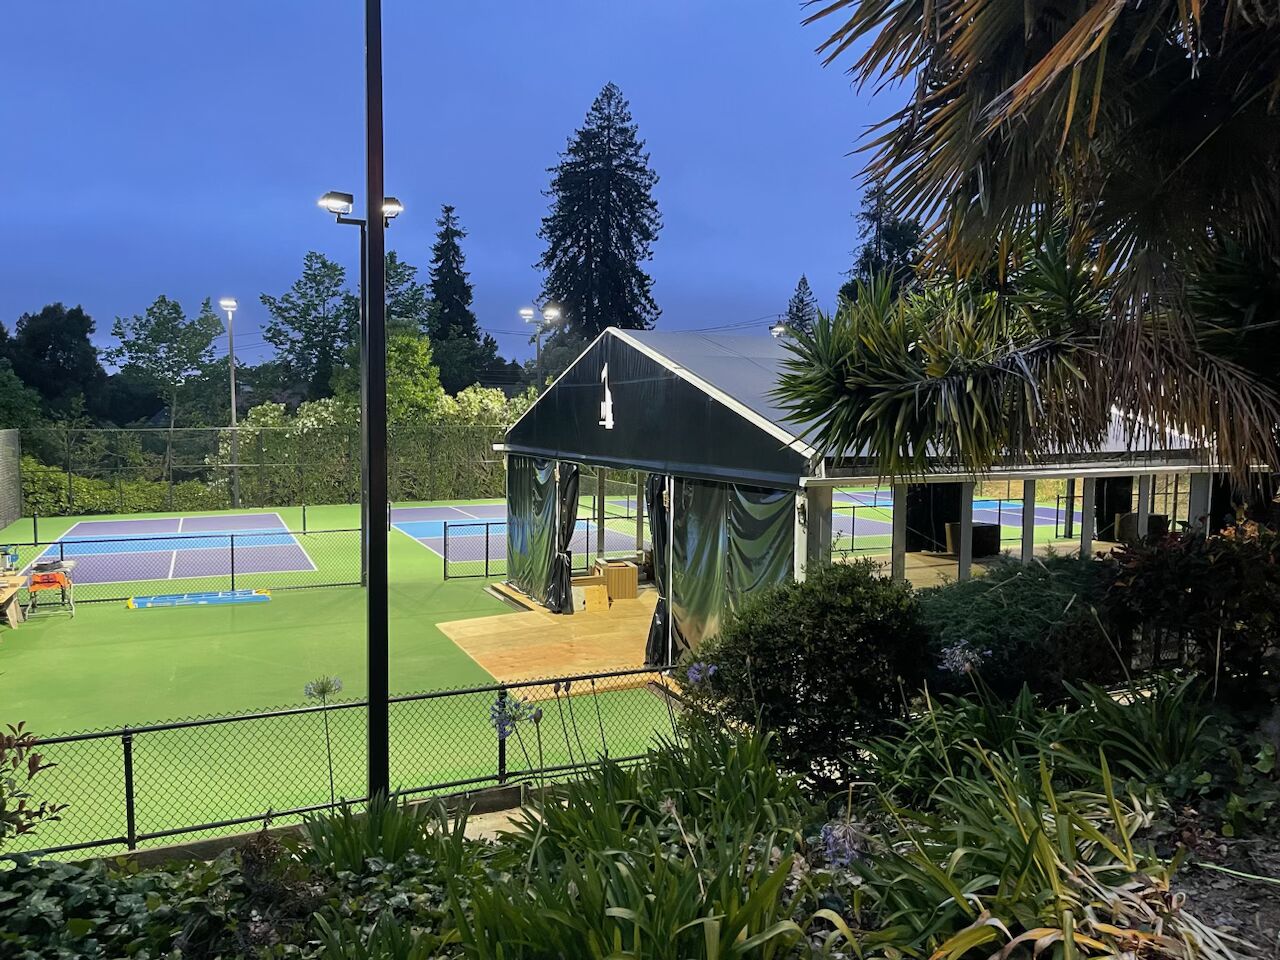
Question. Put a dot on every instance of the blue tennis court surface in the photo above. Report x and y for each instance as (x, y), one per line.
(176, 548)
(480, 531)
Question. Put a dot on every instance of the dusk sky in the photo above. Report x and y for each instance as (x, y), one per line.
(154, 146)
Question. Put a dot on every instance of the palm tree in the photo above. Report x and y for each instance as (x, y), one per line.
(1150, 132)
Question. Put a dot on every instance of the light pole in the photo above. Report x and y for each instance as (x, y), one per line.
(229, 305)
(779, 330)
(550, 316)
(340, 205)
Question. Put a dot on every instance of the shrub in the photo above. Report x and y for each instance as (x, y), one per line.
(816, 663)
(1218, 597)
(20, 764)
(1038, 625)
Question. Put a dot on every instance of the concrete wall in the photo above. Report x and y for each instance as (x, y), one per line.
(10, 477)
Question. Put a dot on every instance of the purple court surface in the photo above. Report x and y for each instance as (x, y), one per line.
(176, 548)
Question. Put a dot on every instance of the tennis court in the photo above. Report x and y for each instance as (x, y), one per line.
(179, 548)
(472, 539)
(862, 520)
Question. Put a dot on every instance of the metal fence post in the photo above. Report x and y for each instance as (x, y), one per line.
(35, 528)
(304, 518)
(502, 740)
(444, 547)
(130, 811)
(488, 528)
(233, 561)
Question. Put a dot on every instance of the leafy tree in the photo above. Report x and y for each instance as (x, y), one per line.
(167, 350)
(53, 354)
(414, 394)
(1151, 131)
(17, 400)
(802, 308)
(408, 304)
(602, 224)
(313, 323)
(890, 244)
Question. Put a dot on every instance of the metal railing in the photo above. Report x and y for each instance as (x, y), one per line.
(117, 568)
(137, 786)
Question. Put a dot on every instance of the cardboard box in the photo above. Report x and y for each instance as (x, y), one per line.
(622, 577)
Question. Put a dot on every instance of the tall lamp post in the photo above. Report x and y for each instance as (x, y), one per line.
(341, 205)
(550, 316)
(229, 305)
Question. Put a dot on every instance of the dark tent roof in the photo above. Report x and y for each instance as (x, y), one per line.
(682, 403)
(701, 405)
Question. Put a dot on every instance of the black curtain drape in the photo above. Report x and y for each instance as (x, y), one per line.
(531, 539)
(560, 591)
(761, 538)
(657, 650)
(699, 546)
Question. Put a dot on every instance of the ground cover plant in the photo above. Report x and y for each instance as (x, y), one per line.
(984, 828)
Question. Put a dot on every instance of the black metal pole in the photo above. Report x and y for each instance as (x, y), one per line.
(374, 427)
(130, 807)
(364, 401)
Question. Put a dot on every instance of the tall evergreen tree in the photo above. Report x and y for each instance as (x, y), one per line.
(890, 244)
(602, 224)
(802, 308)
(464, 355)
(313, 323)
(451, 315)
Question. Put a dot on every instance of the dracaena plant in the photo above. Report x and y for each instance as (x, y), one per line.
(1152, 132)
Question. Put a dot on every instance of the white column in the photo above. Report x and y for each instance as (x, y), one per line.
(898, 550)
(812, 529)
(964, 564)
(1144, 504)
(1199, 500)
(1088, 516)
(1028, 520)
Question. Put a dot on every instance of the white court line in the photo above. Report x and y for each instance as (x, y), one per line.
(173, 562)
(180, 519)
(284, 527)
(470, 516)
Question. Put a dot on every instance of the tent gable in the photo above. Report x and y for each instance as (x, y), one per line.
(626, 407)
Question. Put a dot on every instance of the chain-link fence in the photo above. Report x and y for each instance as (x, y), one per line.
(103, 568)
(141, 786)
(71, 471)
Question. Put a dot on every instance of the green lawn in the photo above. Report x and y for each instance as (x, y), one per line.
(112, 666)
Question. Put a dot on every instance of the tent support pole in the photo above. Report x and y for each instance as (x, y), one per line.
(601, 513)
(639, 515)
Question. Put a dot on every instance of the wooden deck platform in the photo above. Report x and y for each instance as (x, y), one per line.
(537, 643)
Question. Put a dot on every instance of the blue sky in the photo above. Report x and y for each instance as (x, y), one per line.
(154, 146)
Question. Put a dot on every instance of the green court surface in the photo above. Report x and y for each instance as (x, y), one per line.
(112, 667)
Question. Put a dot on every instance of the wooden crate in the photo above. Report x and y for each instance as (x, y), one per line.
(622, 577)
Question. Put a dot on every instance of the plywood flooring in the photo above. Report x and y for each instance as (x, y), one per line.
(538, 643)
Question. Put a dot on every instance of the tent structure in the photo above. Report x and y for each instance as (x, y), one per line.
(737, 498)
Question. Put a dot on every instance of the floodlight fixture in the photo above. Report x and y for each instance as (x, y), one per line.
(228, 304)
(391, 208)
(339, 204)
(527, 314)
(779, 329)
(551, 313)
